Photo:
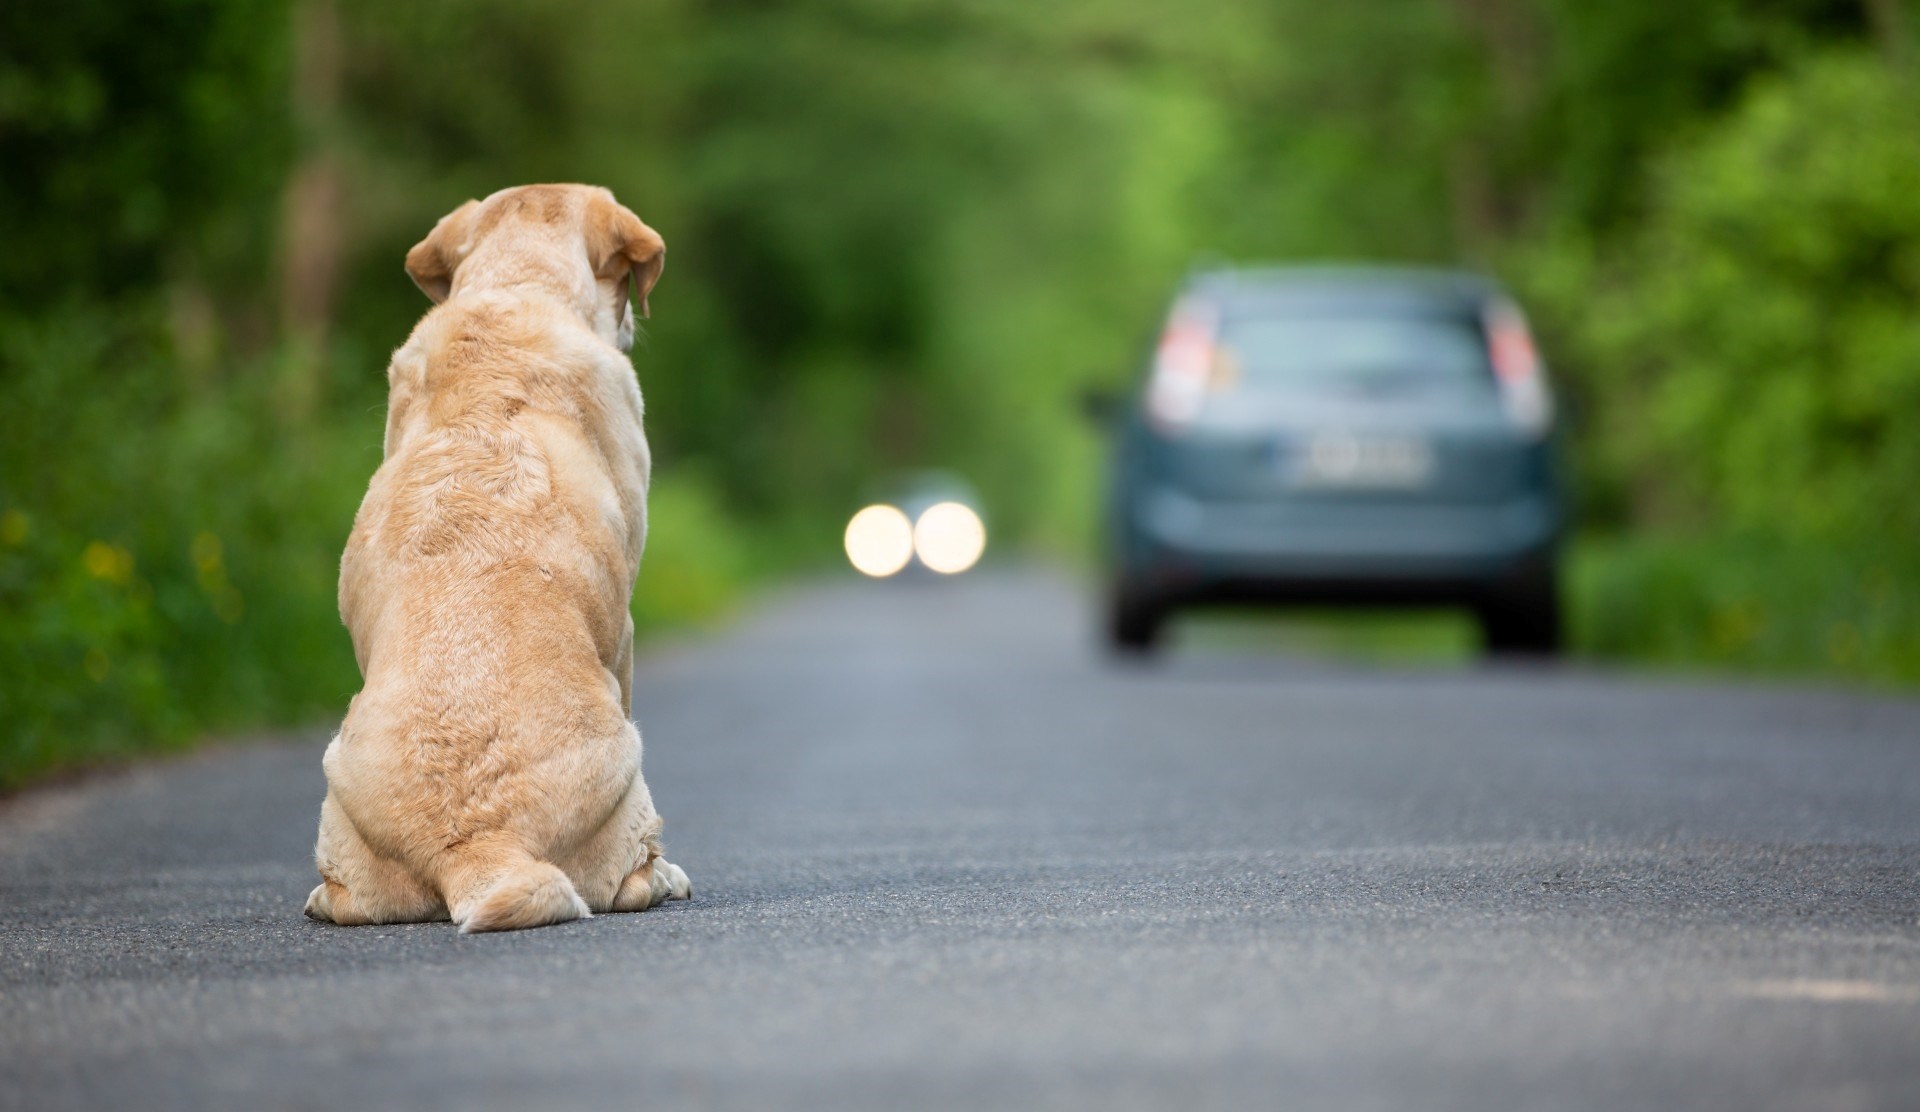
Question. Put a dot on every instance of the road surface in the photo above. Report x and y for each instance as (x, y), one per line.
(944, 856)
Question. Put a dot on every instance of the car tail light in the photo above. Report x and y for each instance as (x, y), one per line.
(1183, 366)
(1517, 369)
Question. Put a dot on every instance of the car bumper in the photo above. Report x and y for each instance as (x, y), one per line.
(1404, 549)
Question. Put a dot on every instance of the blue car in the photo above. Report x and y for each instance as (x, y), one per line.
(1335, 436)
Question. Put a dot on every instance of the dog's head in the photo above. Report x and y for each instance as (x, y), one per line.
(574, 237)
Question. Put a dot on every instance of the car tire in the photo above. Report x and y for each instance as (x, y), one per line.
(1136, 621)
(1524, 618)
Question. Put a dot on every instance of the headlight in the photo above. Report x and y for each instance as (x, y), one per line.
(949, 538)
(879, 541)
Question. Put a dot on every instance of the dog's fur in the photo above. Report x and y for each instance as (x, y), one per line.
(488, 771)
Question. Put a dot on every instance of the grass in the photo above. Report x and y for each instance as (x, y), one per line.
(1748, 605)
(1845, 610)
(1385, 637)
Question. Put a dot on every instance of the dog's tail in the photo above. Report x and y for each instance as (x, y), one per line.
(530, 893)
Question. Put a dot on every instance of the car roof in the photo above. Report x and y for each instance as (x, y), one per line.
(1323, 288)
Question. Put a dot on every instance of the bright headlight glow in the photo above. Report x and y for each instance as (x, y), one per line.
(949, 538)
(879, 541)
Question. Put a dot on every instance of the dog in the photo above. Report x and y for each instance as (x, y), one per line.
(488, 771)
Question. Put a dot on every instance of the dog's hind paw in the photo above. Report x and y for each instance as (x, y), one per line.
(320, 904)
(651, 885)
(670, 881)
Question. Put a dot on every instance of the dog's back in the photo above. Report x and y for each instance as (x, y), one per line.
(488, 770)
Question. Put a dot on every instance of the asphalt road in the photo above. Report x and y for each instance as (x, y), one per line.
(943, 855)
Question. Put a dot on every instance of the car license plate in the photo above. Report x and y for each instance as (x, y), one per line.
(1338, 459)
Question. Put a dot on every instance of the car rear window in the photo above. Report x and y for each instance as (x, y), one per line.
(1285, 351)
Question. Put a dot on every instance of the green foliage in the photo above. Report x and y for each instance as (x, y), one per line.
(139, 140)
(1759, 329)
(696, 565)
(1749, 356)
(157, 580)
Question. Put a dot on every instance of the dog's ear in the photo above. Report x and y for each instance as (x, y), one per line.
(432, 261)
(618, 245)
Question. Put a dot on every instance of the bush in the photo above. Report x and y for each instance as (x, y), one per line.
(1748, 364)
(168, 552)
(1754, 351)
(696, 564)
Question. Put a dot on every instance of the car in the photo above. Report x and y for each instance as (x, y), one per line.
(1335, 436)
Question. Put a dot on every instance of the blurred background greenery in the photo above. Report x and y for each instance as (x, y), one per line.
(906, 232)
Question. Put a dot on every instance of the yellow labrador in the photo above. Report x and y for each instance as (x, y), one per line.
(488, 772)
